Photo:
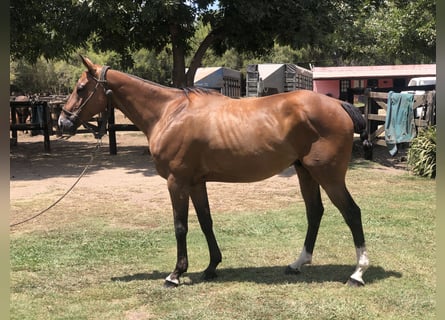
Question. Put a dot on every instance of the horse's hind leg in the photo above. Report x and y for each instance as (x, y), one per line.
(340, 196)
(310, 190)
(200, 201)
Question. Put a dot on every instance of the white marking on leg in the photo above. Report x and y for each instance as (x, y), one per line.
(304, 258)
(169, 279)
(362, 264)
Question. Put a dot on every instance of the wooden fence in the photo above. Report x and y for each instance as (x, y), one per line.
(42, 125)
(424, 109)
(46, 111)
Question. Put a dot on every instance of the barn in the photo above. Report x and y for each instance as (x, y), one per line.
(347, 81)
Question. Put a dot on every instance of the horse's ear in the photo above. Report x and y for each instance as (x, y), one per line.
(90, 65)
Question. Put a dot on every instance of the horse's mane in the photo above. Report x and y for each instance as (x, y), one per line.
(147, 81)
(186, 90)
(199, 90)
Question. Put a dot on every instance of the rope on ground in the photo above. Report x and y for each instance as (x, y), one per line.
(99, 143)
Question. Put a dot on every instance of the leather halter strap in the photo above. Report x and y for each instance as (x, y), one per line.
(74, 116)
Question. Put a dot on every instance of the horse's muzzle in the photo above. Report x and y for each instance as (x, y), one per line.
(66, 125)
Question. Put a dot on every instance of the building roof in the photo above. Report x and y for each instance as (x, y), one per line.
(204, 74)
(267, 69)
(354, 72)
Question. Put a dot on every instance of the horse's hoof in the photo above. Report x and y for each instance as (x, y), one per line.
(290, 270)
(208, 276)
(170, 285)
(355, 283)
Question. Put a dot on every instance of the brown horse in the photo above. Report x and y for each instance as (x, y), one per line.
(197, 135)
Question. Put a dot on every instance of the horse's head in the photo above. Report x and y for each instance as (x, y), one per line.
(88, 98)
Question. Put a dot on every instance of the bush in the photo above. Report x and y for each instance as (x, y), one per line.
(422, 153)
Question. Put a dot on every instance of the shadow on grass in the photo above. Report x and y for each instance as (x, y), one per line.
(275, 275)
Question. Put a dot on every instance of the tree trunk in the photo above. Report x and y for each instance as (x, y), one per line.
(197, 58)
(178, 77)
(181, 78)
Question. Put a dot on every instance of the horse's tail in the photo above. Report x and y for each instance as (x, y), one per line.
(359, 127)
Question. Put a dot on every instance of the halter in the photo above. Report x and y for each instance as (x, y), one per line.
(74, 116)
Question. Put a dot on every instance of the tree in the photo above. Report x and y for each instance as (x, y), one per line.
(152, 65)
(53, 28)
(41, 77)
(331, 32)
(386, 32)
(57, 77)
(56, 28)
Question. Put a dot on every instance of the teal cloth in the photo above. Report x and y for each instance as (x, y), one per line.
(399, 126)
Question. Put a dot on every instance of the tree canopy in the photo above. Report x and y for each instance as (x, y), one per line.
(330, 32)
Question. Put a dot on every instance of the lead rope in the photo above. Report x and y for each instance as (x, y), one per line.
(98, 135)
(97, 147)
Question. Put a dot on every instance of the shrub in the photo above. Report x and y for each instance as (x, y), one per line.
(422, 153)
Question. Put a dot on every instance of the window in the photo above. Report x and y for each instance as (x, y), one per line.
(373, 83)
(344, 85)
(358, 83)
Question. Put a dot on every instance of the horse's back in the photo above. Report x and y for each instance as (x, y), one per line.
(317, 127)
(249, 139)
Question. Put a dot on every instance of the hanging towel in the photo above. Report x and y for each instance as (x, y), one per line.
(399, 126)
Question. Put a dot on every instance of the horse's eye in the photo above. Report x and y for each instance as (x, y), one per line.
(80, 88)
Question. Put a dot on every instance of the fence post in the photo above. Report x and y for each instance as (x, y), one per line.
(13, 122)
(46, 126)
(112, 132)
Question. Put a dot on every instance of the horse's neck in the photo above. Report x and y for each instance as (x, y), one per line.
(140, 101)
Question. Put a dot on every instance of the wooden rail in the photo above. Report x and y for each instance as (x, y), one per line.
(50, 111)
(376, 108)
(44, 124)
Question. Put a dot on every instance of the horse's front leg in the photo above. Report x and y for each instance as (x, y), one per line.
(179, 194)
(198, 193)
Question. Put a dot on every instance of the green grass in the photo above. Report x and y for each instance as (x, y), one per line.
(99, 270)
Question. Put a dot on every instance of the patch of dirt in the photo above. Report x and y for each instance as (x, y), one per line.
(128, 177)
(382, 156)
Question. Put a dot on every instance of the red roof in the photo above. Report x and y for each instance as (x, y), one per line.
(354, 72)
